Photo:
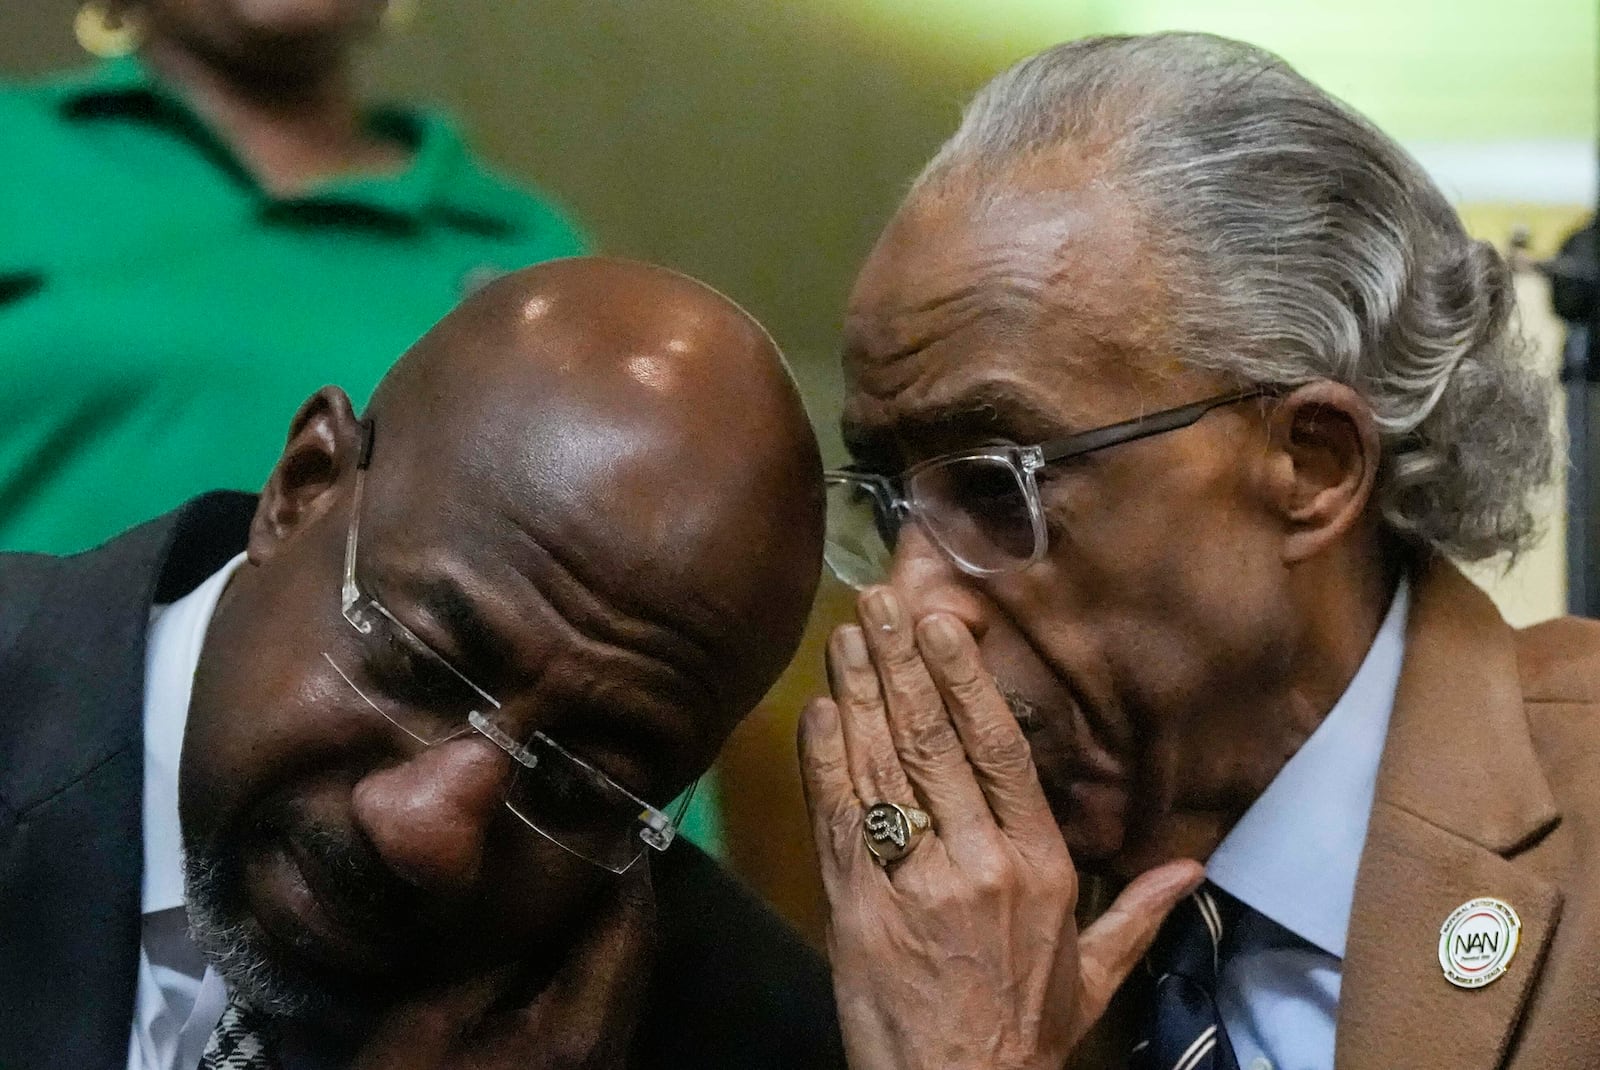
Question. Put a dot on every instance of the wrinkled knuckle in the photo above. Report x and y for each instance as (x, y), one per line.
(992, 875)
(859, 687)
(898, 658)
(927, 742)
(825, 764)
(887, 775)
(966, 682)
(912, 692)
(845, 815)
(1004, 750)
(811, 720)
(844, 835)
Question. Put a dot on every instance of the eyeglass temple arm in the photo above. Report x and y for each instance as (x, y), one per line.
(883, 488)
(349, 593)
(1142, 426)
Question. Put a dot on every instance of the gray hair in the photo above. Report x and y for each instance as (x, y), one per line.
(1302, 244)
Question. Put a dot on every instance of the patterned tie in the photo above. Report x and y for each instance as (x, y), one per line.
(1185, 1030)
(239, 1042)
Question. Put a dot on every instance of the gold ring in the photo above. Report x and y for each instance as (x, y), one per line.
(892, 831)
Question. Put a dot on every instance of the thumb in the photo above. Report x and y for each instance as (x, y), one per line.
(1109, 949)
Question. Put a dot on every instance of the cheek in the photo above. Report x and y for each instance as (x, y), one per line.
(1170, 573)
(267, 710)
(256, 730)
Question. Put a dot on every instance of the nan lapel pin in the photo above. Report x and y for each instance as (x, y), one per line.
(1477, 940)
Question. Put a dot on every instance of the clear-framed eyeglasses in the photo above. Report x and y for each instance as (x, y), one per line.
(980, 507)
(565, 799)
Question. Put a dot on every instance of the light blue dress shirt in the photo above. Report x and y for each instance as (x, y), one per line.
(1292, 859)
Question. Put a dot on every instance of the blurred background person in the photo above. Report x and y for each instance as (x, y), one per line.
(202, 229)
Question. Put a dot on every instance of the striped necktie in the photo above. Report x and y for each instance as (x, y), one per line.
(239, 1042)
(1185, 1031)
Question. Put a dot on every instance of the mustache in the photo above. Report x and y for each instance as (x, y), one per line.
(355, 885)
(1024, 710)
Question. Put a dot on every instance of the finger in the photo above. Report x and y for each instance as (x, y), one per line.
(996, 749)
(830, 800)
(1109, 949)
(875, 769)
(930, 752)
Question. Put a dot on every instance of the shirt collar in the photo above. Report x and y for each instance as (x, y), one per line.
(172, 652)
(441, 181)
(1293, 855)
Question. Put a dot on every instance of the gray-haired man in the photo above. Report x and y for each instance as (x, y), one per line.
(1172, 388)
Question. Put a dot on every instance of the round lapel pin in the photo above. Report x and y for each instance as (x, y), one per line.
(1477, 940)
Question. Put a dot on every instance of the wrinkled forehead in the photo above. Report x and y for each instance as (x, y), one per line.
(618, 542)
(1021, 316)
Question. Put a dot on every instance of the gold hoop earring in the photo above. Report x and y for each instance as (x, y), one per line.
(104, 30)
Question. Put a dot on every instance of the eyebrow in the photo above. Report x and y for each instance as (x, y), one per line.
(475, 649)
(985, 412)
(485, 656)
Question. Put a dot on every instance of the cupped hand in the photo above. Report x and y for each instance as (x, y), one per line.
(966, 953)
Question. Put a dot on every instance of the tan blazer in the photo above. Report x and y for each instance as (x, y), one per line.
(1489, 786)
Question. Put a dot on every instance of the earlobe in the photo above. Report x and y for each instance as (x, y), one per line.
(324, 438)
(1328, 449)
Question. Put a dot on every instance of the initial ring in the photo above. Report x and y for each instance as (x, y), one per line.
(892, 831)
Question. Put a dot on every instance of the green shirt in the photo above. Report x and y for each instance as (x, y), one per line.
(162, 316)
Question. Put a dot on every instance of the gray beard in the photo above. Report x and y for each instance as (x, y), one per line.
(234, 949)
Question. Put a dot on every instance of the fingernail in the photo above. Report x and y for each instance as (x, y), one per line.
(939, 636)
(882, 609)
(853, 648)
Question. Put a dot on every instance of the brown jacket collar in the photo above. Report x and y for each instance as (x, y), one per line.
(1460, 795)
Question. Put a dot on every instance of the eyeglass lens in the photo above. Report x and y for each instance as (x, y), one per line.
(975, 507)
(860, 539)
(555, 792)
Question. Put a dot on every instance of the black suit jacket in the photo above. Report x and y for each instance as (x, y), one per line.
(733, 986)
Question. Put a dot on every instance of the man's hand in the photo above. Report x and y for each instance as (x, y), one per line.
(582, 1020)
(965, 954)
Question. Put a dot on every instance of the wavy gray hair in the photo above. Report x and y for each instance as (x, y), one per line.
(1302, 245)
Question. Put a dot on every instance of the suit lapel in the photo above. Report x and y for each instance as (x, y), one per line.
(72, 773)
(71, 782)
(1460, 793)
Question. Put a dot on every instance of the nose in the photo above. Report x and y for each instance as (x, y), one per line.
(927, 581)
(429, 816)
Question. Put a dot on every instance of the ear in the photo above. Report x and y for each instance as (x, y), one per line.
(1326, 452)
(324, 440)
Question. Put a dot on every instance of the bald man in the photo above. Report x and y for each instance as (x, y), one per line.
(378, 768)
